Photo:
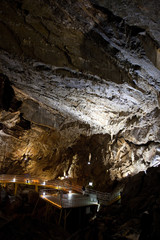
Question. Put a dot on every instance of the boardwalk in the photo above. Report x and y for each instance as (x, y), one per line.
(60, 193)
(70, 200)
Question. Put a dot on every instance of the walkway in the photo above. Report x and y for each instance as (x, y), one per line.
(57, 192)
(61, 193)
(69, 200)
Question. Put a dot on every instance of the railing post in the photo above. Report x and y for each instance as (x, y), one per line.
(15, 188)
(59, 221)
(36, 187)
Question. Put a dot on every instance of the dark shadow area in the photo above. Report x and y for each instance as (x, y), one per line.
(7, 95)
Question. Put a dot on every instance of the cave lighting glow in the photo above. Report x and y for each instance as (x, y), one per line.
(90, 184)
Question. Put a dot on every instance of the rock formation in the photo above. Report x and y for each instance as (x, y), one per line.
(79, 83)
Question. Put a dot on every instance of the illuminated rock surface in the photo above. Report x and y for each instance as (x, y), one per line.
(79, 97)
(86, 89)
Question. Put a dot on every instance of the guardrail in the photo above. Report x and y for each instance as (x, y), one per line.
(20, 178)
(102, 198)
(68, 200)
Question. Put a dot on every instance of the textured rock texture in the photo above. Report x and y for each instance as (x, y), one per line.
(85, 88)
(140, 15)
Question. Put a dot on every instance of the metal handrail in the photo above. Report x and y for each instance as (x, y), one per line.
(68, 200)
(102, 197)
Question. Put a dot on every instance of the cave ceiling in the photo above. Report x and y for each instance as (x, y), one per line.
(80, 83)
